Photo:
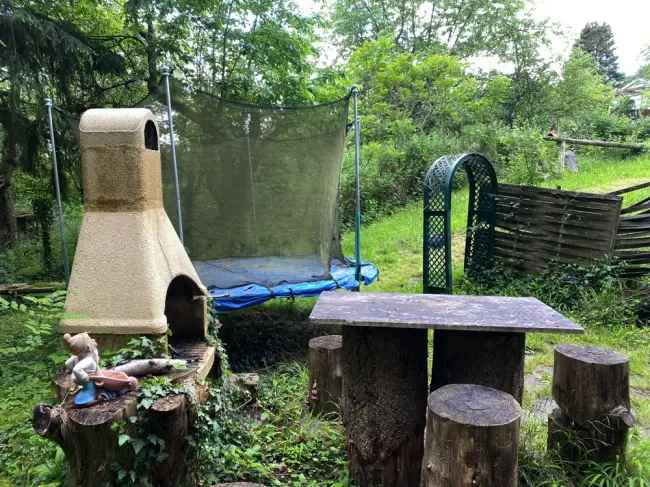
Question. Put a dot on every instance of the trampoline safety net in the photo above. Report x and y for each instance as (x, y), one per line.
(259, 188)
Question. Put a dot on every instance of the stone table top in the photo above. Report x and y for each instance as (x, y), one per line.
(440, 312)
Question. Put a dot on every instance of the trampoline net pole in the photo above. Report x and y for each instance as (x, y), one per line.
(357, 176)
(57, 187)
(165, 73)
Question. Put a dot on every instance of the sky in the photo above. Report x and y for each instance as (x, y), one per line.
(629, 19)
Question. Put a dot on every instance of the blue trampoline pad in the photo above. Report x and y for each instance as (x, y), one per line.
(224, 299)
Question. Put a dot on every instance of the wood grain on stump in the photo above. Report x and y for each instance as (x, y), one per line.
(384, 403)
(590, 382)
(491, 359)
(472, 436)
(591, 388)
(325, 373)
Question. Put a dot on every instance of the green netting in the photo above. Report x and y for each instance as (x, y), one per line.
(259, 187)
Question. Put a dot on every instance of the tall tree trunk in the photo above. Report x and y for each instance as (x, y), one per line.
(152, 56)
(8, 225)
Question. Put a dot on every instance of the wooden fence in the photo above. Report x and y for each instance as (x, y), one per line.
(633, 236)
(537, 226)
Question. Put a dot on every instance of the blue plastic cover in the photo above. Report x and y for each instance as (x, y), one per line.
(342, 276)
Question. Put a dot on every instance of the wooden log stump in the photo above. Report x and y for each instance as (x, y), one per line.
(491, 359)
(591, 388)
(384, 403)
(472, 437)
(325, 373)
(90, 441)
(86, 436)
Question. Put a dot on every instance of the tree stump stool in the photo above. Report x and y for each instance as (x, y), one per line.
(591, 388)
(384, 400)
(325, 373)
(471, 439)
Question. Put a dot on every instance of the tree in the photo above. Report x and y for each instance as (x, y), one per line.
(40, 55)
(463, 28)
(598, 40)
(581, 96)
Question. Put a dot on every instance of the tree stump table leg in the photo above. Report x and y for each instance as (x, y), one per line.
(492, 359)
(384, 404)
(591, 388)
(472, 438)
(325, 373)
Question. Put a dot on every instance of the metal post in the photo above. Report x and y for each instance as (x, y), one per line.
(165, 73)
(57, 187)
(357, 176)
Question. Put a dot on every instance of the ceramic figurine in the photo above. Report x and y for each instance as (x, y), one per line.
(84, 359)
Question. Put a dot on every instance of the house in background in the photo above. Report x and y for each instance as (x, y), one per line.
(638, 92)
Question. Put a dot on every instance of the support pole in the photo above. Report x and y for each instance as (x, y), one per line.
(357, 176)
(57, 187)
(179, 215)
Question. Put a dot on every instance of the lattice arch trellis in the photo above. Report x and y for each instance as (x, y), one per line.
(479, 240)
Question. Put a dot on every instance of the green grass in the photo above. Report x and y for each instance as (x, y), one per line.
(290, 447)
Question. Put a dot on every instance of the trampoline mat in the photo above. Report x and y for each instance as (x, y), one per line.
(265, 271)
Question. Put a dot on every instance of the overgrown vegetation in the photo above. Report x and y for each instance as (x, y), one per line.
(277, 442)
(422, 96)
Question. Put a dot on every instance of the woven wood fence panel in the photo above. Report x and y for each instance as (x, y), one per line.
(633, 236)
(537, 226)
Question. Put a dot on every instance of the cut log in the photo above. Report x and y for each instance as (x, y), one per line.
(325, 373)
(170, 420)
(590, 382)
(472, 438)
(591, 388)
(152, 366)
(90, 441)
(384, 403)
(491, 359)
(86, 437)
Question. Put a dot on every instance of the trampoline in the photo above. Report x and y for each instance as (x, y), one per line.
(254, 196)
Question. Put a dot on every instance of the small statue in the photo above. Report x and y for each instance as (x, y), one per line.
(84, 359)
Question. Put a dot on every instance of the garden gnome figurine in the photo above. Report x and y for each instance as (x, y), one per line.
(84, 359)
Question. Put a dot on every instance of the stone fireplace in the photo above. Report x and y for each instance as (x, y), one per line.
(131, 274)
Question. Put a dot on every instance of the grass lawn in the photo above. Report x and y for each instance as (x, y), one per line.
(292, 448)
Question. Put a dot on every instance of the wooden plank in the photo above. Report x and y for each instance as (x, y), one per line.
(553, 249)
(518, 190)
(18, 289)
(549, 225)
(440, 312)
(563, 241)
(521, 200)
(567, 212)
(632, 243)
(629, 189)
(644, 204)
(597, 143)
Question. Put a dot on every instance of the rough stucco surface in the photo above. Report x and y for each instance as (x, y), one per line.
(128, 251)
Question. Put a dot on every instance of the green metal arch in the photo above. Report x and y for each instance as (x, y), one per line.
(479, 239)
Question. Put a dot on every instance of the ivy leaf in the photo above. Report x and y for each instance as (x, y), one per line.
(122, 439)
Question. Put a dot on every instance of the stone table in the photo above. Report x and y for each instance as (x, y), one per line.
(478, 340)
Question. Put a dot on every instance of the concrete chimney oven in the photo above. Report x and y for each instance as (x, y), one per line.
(131, 274)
